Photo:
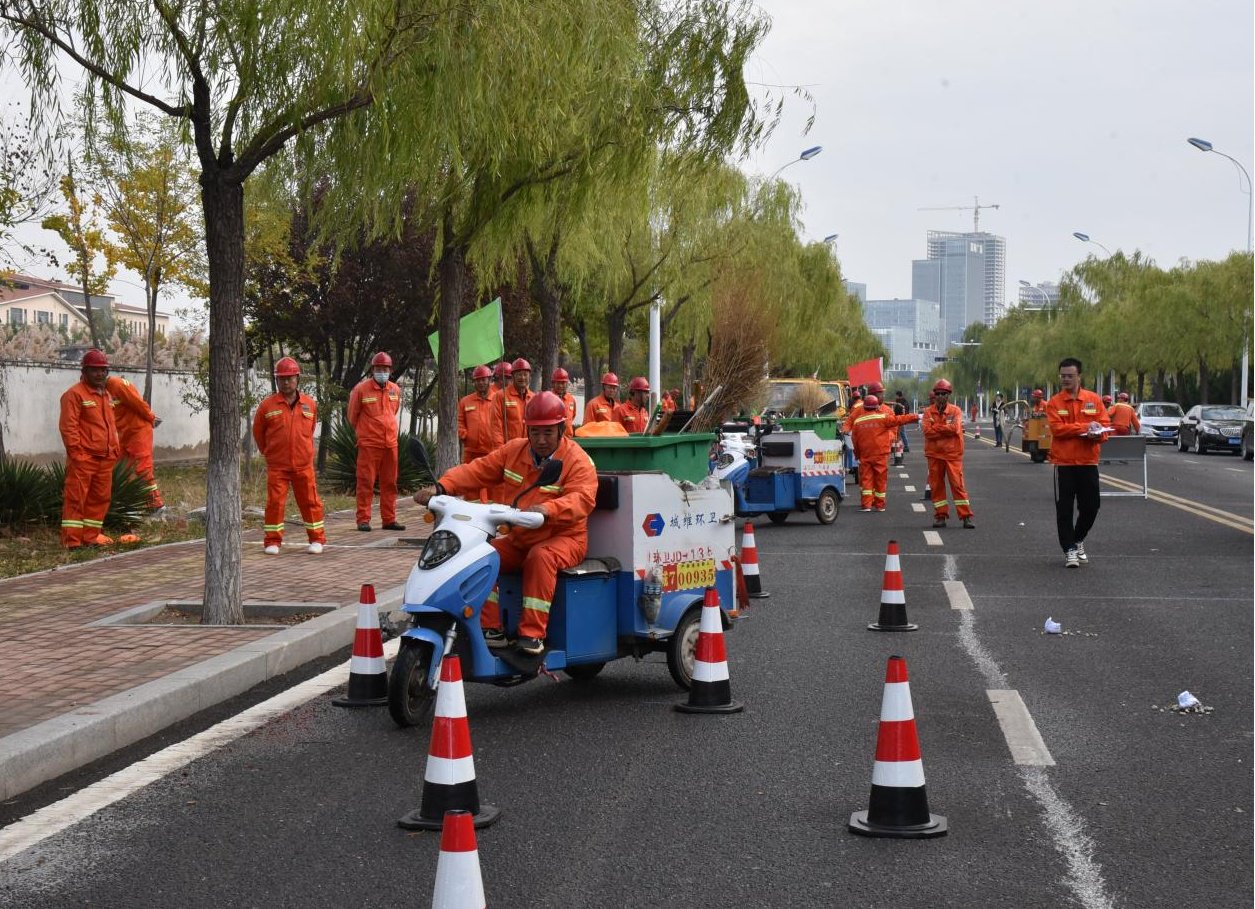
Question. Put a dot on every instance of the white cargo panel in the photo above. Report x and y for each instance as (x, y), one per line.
(809, 455)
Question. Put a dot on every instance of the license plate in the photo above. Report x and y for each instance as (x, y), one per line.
(1234, 441)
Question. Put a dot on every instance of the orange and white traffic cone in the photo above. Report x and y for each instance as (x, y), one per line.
(892, 596)
(749, 564)
(899, 802)
(711, 689)
(459, 885)
(368, 674)
(449, 780)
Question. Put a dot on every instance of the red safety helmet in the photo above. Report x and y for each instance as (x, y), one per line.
(1106, 399)
(1122, 396)
(546, 409)
(560, 375)
(871, 402)
(481, 372)
(381, 359)
(942, 385)
(1038, 393)
(521, 364)
(503, 371)
(640, 383)
(95, 357)
(875, 388)
(287, 367)
(610, 379)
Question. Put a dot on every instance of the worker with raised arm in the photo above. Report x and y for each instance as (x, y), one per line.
(942, 425)
(873, 432)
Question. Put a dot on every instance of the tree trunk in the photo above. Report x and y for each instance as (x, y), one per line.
(616, 324)
(586, 360)
(548, 295)
(688, 353)
(224, 243)
(1141, 384)
(453, 280)
(87, 302)
(325, 415)
(1159, 391)
(1204, 380)
(152, 287)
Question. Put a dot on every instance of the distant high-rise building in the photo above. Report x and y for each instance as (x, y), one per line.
(966, 274)
(855, 289)
(910, 331)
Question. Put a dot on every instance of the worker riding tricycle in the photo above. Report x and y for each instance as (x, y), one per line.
(653, 547)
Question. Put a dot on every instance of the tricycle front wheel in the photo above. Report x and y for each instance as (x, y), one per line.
(778, 517)
(582, 672)
(682, 647)
(827, 506)
(410, 700)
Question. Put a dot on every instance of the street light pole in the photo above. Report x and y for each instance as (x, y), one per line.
(1085, 238)
(806, 155)
(1205, 146)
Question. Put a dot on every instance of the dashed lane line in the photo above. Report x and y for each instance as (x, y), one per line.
(932, 538)
(1026, 744)
(917, 506)
(956, 593)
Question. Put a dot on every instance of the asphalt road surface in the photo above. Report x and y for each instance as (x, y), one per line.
(612, 799)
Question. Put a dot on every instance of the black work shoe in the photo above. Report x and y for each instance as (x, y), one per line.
(939, 522)
(394, 526)
(968, 525)
(363, 526)
(530, 646)
(495, 639)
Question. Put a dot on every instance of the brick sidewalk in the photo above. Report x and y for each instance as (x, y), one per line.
(51, 663)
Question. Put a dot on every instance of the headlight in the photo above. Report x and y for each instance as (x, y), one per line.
(439, 548)
(724, 460)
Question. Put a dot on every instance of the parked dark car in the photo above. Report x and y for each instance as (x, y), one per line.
(1208, 426)
(1246, 448)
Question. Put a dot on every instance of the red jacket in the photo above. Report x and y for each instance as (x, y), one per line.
(511, 468)
(1124, 419)
(284, 432)
(512, 405)
(568, 401)
(943, 433)
(1069, 421)
(632, 418)
(373, 413)
(87, 426)
(600, 410)
(873, 432)
(479, 424)
(133, 416)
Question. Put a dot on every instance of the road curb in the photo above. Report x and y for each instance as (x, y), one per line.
(64, 743)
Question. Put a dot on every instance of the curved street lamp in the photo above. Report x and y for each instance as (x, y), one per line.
(1044, 296)
(1085, 238)
(806, 155)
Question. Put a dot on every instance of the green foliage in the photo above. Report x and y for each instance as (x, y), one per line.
(31, 494)
(341, 470)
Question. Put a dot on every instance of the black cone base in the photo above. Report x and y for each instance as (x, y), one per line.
(365, 691)
(368, 702)
(730, 707)
(486, 816)
(876, 626)
(761, 595)
(892, 618)
(935, 826)
(710, 697)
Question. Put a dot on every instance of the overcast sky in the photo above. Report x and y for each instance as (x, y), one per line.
(1071, 115)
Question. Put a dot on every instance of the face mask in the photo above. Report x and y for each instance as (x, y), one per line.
(381, 378)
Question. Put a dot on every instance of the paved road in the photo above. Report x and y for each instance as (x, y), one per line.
(612, 799)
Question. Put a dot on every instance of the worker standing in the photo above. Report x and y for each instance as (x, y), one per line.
(668, 400)
(942, 425)
(283, 429)
(513, 399)
(1038, 401)
(873, 432)
(1124, 419)
(558, 382)
(136, 421)
(90, 436)
(1078, 422)
(374, 405)
(633, 414)
(479, 426)
(601, 408)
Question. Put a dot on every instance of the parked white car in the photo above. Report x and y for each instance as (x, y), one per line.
(1160, 420)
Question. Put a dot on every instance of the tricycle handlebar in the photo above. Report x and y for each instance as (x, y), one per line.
(490, 514)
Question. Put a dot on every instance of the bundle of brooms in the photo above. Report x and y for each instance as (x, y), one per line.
(739, 351)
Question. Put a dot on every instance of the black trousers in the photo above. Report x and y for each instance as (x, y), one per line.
(1075, 488)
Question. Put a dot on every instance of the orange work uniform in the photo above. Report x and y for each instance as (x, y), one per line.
(479, 430)
(135, 419)
(1124, 419)
(284, 434)
(873, 433)
(668, 403)
(508, 407)
(631, 417)
(568, 401)
(373, 410)
(1069, 422)
(92, 448)
(600, 410)
(561, 542)
(943, 449)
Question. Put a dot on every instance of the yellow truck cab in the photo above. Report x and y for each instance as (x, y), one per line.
(807, 397)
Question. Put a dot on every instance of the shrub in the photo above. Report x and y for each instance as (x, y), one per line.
(127, 506)
(341, 470)
(27, 494)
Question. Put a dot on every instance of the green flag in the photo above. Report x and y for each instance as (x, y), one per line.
(480, 338)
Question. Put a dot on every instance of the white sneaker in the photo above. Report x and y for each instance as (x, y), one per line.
(272, 550)
(1070, 559)
(1080, 554)
(315, 548)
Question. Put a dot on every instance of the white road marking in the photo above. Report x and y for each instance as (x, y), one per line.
(956, 592)
(950, 568)
(904, 476)
(1235, 470)
(52, 819)
(917, 506)
(932, 538)
(908, 488)
(1026, 744)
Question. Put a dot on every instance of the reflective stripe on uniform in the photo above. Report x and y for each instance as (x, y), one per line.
(536, 604)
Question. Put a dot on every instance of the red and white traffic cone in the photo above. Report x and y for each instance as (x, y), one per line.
(368, 674)
(449, 780)
(711, 689)
(899, 802)
(749, 564)
(892, 596)
(459, 885)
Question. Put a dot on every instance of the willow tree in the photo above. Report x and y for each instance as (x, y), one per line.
(396, 78)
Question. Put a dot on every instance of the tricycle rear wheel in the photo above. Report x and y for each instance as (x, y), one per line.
(584, 671)
(410, 700)
(778, 517)
(827, 506)
(682, 647)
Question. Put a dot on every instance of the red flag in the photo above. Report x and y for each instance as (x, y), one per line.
(865, 373)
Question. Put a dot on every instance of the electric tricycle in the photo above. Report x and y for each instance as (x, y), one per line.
(778, 473)
(654, 546)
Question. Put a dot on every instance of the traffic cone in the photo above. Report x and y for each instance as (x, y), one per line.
(749, 564)
(892, 596)
(368, 675)
(710, 690)
(449, 781)
(976, 433)
(899, 802)
(459, 884)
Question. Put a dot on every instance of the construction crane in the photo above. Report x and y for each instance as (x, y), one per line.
(974, 208)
